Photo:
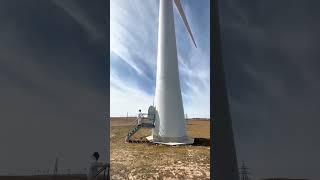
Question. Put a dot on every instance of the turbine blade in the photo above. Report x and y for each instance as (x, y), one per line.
(184, 18)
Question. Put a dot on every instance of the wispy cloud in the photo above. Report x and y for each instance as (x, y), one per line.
(271, 65)
(52, 81)
(72, 8)
(134, 28)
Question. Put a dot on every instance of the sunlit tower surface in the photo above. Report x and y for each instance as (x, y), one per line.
(170, 124)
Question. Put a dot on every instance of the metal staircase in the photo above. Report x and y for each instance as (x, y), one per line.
(136, 128)
(145, 122)
(106, 172)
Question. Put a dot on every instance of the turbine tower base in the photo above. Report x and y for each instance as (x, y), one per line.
(171, 140)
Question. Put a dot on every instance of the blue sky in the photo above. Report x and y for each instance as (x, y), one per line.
(53, 84)
(133, 51)
(53, 78)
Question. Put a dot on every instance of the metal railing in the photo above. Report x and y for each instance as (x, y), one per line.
(105, 169)
(139, 124)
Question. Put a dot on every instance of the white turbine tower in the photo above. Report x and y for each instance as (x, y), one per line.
(170, 124)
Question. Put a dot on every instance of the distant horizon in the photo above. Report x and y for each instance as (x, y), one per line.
(136, 116)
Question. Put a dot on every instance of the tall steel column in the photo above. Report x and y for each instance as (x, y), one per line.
(223, 154)
(170, 125)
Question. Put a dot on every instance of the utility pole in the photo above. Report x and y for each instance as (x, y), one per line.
(244, 172)
(55, 170)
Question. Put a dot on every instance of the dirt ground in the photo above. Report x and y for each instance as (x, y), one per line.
(151, 161)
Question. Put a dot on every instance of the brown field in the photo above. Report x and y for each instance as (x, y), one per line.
(150, 161)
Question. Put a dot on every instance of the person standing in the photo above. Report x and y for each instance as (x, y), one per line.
(140, 116)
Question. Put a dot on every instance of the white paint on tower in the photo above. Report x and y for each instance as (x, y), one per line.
(170, 124)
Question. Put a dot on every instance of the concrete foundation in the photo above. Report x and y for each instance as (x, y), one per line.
(171, 140)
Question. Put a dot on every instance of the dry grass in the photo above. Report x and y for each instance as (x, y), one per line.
(150, 161)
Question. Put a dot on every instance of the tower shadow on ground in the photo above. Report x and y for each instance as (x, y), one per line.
(197, 142)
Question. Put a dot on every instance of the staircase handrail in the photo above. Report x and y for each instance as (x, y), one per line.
(103, 168)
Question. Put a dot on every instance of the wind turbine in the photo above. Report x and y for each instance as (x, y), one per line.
(170, 124)
(224, 158)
